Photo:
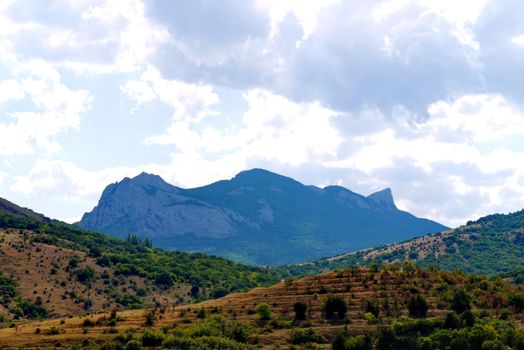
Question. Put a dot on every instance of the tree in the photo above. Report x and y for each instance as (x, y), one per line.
(195, 291)
(386, 339)
(300, 309)
(164, 279)
(452, 321)
(339, 343)
(468, 319)
(417, 306)
(264, 311)
(459, 343)
(460, 301)
(373, 307)
(335, 305)
(360, 342)
(201, 313)
(85, 275)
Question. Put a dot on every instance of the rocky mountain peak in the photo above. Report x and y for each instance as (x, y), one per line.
(384, 198)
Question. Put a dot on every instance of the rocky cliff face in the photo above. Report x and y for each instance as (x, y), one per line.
(257, 217)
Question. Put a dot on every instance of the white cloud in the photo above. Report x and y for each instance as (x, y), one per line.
(518, 40)
(272, 128)
(3, 176)
(49, 108)
(107, 37)
(191, 102)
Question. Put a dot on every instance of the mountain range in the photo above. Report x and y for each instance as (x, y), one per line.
(257, 217)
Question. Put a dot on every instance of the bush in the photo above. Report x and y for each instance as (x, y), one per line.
(459, 343)
(452, 321)
(164, 279)
(300, 309)
(460, 301)
(85, 275)
(417, 306)
(468, 319)
(152, 338)
(264, 311)
(373, 307)
(133, 345)
(493, 345)
(29, 310)
(150, 318)
(201, 313)
(220, 292)
(299, 336)
(339, 343)
(335, 305)
(360, 342)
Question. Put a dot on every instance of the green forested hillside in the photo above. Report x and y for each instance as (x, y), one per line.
(492, 245)
(209, 276)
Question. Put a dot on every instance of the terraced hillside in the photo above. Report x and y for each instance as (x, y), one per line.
(347, 309)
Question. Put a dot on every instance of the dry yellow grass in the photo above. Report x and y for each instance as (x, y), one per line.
(41, 272)
(355, 286)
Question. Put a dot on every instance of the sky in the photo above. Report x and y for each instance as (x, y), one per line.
(425, 97)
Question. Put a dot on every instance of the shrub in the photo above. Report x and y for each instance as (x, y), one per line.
(220, 292)
(459, 343)
(360, 342)
(300, 309)
(452, 321)
(339, 342)
(417, 306)
(150, 318)
(85, 275)
(373, 307)
(493, 345)
(152, 338)
(460, 301)
(201, 313)
(133, 345)
(264, 311)
(335, 305)
(164, 279)
(468, 319)
(299, 336)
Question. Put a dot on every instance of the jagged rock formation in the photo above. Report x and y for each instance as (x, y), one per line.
(257, 217)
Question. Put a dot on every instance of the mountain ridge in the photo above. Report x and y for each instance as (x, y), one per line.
(492, 245)
(256, 217)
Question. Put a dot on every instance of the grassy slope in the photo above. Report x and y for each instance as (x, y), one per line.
(42, 251)
(389, 290)
(492, 245)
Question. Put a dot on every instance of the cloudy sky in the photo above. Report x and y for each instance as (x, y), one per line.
(424, 97)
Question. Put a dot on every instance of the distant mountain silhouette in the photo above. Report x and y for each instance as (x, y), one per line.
(256, 217)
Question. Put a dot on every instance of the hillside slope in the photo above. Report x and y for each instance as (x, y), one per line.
(9, 208)
(257, 217)
(51, 268)
(491, 245)
(381, 309)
